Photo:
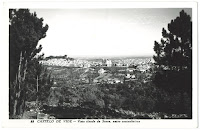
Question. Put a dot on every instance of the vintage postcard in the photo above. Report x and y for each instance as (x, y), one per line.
(100, 64)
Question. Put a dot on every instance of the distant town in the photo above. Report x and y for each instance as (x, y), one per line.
(111, 71)
(143, 62)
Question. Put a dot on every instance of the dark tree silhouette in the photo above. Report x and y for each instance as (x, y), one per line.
(174, 58)
(175, 50)
(25, 30)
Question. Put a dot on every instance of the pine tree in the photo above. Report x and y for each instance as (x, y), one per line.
(174, 52)
(25, 31)
(174, 61)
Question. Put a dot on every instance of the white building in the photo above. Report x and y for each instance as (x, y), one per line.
(101, 71)
(109, 63)
(129, 76)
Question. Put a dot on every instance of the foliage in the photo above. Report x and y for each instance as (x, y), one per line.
(175, 50)
(120, 100)
(38, 74)
(25, 31)
(174, 55)
(174, 61)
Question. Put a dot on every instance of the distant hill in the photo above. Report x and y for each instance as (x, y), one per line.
(59, 57)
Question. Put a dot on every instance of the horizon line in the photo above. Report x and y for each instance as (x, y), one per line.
(102, 56)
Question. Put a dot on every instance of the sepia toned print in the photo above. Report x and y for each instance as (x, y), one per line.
(100, 63)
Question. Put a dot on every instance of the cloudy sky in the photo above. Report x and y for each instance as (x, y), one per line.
(104, 32)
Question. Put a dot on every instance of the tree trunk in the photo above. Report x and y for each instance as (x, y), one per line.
(19, 100)
(15, 108)
(37, 98)
(21, 106)
(16, 104)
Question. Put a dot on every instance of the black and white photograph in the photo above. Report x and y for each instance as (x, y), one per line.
(101, 63)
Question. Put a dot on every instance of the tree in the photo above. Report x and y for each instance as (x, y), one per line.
(25, 31)
(174, 60)
(38, 81)
(175, 50)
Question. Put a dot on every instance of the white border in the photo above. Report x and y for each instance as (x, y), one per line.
(185, 123)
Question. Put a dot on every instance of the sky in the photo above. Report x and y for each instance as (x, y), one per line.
(104, 32)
